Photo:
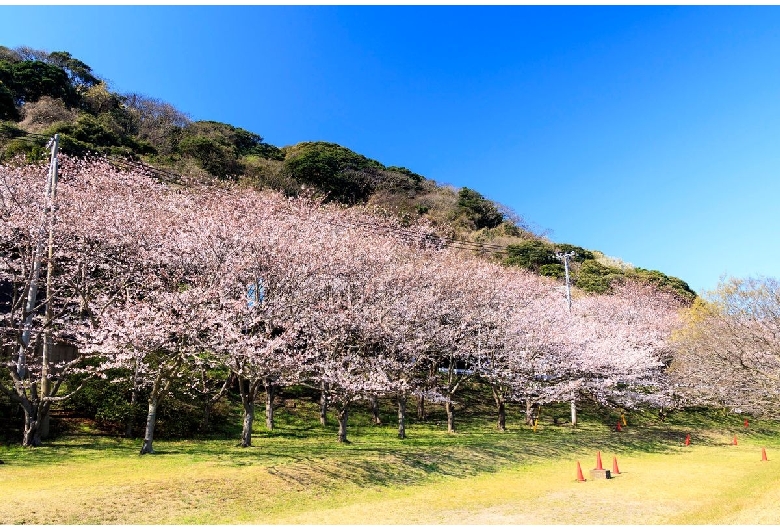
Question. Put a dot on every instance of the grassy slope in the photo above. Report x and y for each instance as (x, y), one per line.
(299, 474)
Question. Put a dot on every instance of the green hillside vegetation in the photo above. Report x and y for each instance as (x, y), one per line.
(591, 271)
(42, 94)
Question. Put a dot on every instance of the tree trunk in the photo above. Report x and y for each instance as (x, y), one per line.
(206, 418)
(324, 404)
(499, 399)
(529, 412)
(270, 392)
(343, 425)
(151, 420)
(43, 428)
(450, 408)
(421, 408)
(375, 410)
(32, 436)
(35, 415)
(401, 416)
(43, 418)
(248, 390)
(249, 418)
(44, 421)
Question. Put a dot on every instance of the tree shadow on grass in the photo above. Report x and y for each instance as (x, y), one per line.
(308, 456)
(372, 464)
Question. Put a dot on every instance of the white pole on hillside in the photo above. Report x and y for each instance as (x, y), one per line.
(565, 256)
(47, 340)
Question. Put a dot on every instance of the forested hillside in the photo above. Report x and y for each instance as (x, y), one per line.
(42, 94)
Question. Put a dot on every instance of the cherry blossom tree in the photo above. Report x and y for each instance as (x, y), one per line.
(726, 354)
(520, 343)
(402, 326)
(259, 332)
(348, 303)
(157, 329)
(341, 316)
(457, 301)
(27, 222)
(619, 345)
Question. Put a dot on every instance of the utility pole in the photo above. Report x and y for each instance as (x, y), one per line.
(565, 256)
(48, 344)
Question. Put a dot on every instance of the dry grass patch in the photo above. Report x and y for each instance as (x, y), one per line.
(302, 476)
(703, 485)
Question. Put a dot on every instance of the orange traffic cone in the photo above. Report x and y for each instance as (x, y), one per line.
(580, 478)
(763, 455)
(619, 428)
(599, 465)
(734, 441)
(687, 440)
(615, 469)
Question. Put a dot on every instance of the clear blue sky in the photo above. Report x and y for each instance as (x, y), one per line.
(648, 133)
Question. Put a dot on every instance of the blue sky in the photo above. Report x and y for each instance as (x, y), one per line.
(648, 133)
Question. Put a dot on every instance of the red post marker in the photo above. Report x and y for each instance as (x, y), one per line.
(746, 424)
(615, 469)
(763, 454)
(580, 478)
(619, 428)
(734, 441)
(687, 440)
(599, 465)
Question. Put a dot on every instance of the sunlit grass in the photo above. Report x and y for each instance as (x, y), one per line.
(299, 474)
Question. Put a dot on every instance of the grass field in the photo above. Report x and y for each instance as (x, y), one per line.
(298, 474)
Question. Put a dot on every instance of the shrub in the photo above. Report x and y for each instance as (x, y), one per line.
(10, 130)
(531, 254)
(554, 270)
(215, 158)
(342, 175)
(482, 212)
(31, 150)
(594, 277)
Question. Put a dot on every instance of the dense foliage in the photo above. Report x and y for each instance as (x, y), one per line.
(341, 174)
(482, 212)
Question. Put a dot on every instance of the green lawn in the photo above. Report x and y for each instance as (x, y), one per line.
(298, 474)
